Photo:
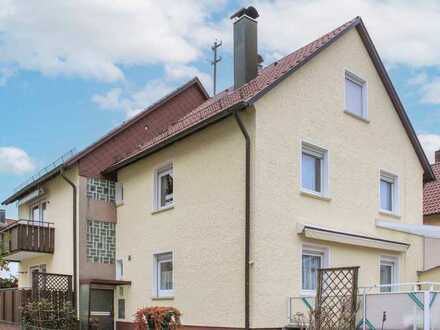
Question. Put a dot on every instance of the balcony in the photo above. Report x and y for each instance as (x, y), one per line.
(26, 239)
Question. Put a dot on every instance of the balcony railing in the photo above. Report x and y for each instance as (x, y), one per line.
(25, 239)
(407, 306)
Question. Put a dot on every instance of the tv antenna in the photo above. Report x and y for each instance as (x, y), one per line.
(214, 62)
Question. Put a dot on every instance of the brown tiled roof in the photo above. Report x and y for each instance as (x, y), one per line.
(268, 78)
(130, 136)
(431, 193)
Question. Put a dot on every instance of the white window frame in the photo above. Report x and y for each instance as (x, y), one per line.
(119, 269)
(119, 194)
(157, 292)
(395, 193)
(315, 151)
(363, 83)
(394, 262)
(38, 204)
(158, 173)
(308, 249)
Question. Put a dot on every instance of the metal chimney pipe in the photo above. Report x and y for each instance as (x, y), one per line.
(2, 217)
(245, 46)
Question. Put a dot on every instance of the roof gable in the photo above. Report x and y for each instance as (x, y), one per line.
(268, 78)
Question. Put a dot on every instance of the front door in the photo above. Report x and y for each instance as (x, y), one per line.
(101, 309)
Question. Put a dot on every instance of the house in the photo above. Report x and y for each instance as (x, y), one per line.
(229, 207)
(431, 218)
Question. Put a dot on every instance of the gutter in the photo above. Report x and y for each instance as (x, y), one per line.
(75, 271)
(247, 219)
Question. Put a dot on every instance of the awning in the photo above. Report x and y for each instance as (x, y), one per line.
(342, 237)
(419, 230)
(104, 282)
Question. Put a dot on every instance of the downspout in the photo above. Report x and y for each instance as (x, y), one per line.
(74, 195)
(247, 219)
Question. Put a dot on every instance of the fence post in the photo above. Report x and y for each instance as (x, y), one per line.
(427, 310)
(364, 310)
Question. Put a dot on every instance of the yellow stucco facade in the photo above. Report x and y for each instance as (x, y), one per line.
(204, 230)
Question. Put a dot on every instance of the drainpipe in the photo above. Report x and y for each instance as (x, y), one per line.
(247, 219)
(74, 195)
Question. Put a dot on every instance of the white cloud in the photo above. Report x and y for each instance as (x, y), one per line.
(430, 144)
(131, 102)
(419, 79)
(405, 32)
(186, 72)
(97, 38)
(5, 74)
(15, 160)
(431, 92)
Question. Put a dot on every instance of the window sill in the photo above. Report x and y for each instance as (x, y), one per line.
(365, 120)
(163, 298)
(390, 214)
(163, 209)
(315, 195)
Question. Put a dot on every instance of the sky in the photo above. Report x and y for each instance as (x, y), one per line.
(72, 70)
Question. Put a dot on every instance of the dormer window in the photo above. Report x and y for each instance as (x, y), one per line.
(355, 95)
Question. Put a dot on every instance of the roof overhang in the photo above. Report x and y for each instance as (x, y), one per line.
(413, 229)
(178, 136)
(343, 237)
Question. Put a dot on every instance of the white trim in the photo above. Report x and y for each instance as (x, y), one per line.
(312, 249)
(166, 168)
(119, 270)
(392, 261)
(157, 293)
(395, 193)
(364, 85)
(322, 153)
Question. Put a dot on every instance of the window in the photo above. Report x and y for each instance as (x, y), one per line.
(355, 95)
(314, 169)
(313, 258)
(119, 193)
(389, 196)
(119, 269)
(121, 308)
(388, 273)
(163, 270)
(164, 196)
(38, 212)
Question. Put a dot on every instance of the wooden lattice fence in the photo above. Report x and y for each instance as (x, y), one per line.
(336, 299)
(55, 288)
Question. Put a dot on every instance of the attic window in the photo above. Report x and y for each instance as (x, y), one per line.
(355, 95)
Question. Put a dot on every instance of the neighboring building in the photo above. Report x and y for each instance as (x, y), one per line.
(231, 206)
(431, 217)
(48, 207)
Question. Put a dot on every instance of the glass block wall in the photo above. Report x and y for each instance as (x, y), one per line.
(102, 190)
(101, 242)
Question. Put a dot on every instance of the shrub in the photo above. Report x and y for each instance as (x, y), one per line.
(42, 314)
(157, 318)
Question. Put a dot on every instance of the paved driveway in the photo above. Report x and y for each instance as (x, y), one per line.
(4, 326)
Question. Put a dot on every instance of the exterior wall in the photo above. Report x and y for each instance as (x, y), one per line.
(430, 275)
(432, 246)
(309, 106)
(59, 212)
(90, 209)
(204, 230)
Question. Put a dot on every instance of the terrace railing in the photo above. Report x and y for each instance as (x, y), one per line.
(407, 306)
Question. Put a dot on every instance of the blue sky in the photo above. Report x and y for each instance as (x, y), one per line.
(72, 70)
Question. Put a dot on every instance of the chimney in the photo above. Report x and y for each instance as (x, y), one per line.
(2, 217)
(246, 58)
(437, 156)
